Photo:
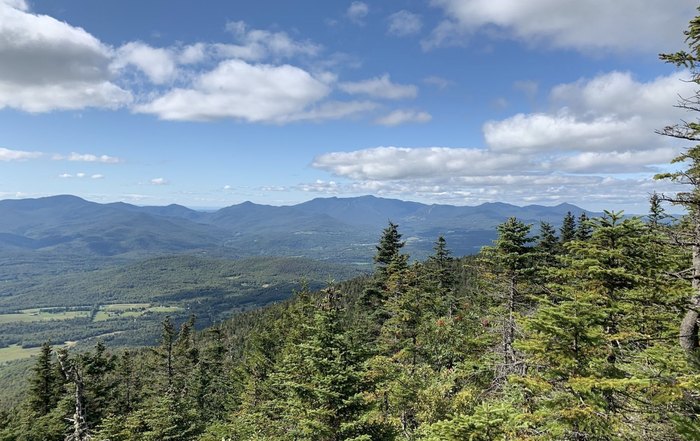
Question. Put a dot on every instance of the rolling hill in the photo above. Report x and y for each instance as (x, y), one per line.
(339, 229)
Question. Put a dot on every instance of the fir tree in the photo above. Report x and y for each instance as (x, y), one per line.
(567, 232)
(43, 383)
(690, 177)
(583, 228)
(511, 258)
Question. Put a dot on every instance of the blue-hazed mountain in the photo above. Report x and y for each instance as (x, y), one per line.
(343, 229)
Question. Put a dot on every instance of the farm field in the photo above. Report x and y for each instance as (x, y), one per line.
(43, 314)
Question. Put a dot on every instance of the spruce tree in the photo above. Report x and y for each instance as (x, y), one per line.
(511, 259)
(583, 228)
(689, 176)
(567, 232)
(43, 383)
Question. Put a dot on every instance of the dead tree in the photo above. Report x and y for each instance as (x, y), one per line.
(79, 428)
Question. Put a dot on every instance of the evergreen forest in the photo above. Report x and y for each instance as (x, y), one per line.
(586, 332)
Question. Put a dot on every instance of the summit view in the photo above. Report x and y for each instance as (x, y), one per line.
(372, 220)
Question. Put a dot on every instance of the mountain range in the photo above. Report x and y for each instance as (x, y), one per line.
(338, 229)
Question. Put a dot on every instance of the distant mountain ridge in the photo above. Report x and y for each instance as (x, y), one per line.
(342, 229)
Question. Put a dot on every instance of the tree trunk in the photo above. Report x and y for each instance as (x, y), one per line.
(689, 325)
(509, 329)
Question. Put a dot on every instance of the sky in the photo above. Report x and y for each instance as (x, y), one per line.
(209, 104)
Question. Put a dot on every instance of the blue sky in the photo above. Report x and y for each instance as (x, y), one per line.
(209, 104)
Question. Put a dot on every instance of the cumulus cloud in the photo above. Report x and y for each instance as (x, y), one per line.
(17, 155)
(321, 186)
(612, 162)
(192, 54)
(259, 44)
(50, 65)
(389, 163)
(158, 64)
(238, 90)
(620, 25)
(159, 181)
(380, 87)
(403, 116)
(612, 111)
(357, 11)
(88, 157)
(404, 23)
(596, 146)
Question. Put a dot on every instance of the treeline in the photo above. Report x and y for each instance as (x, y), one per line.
(543, 336)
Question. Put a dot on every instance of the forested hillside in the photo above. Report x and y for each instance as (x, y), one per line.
(579, 333)
(539, 337)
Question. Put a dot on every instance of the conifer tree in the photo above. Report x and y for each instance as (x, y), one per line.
(583, 228)
(567, 232)
(547, 246)
(43, 383)
(689, 176)
(511, 258)
(441, 276)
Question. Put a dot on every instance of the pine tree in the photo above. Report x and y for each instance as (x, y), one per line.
(389, 248)
(43, 383)
(441, 276)
(583, 228)
(511, 258)
(318, 383)
(547, 246)
(567, 232)
(600, 317)
(689, 176)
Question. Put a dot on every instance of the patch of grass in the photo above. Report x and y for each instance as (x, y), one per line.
(16, 352)
(165, 309)
(124, 306)
(132, 310)
(35, 315)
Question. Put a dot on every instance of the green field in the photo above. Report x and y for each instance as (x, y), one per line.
(16, 352)
(127, 310)
(40, 315)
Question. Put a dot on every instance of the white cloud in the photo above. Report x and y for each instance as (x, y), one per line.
(620, 25)
(238, 90)
(193, 54)
(609, 112)
(388, 163)
(46, 64)
(439, 82)
(88, 157)
(80, 175)
(157, 64)
(380, 87)
(357, 11)
(331, 110)
(403, 116)
(17, 155)
(97, 176)
(159, 181)
(258, 44)
(404, 23)
(595, 147)
(321, 186)
(612, 162)
(65, 176)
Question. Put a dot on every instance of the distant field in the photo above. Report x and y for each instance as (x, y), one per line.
(16, 352)
(39, 315)
(126, 310)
